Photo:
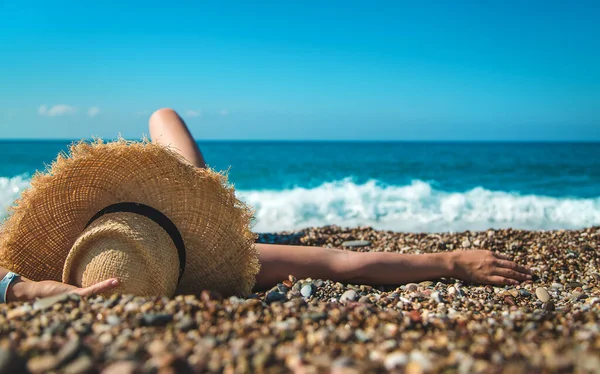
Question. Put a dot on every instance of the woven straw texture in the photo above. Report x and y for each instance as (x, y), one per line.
(127, 245)
(45, 223)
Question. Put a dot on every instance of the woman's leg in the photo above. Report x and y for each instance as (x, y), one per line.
(167, 128)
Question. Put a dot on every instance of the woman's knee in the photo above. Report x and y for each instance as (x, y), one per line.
(165, 120)
(163, 116)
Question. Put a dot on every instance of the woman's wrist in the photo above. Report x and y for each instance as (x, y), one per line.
(450, 263)
(18, 290)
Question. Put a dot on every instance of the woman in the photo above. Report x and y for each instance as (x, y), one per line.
(277, 261)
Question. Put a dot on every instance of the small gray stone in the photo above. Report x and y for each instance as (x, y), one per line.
(113, 320)
(549, 306)
(275, 296)
(557, 286)
(307, 290)
(435, 295)
(356, 243)
(185, 324)
(68, 350)
(319, 283)
(361, 335)
(542, 294)
(524, 292)
(156, 319)
(466, 243)
(349, 295)
(411, 287)
(575, 284)
(10, 361)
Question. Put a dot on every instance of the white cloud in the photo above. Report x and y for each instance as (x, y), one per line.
(93, 111)
(56, 110)
(193, 113)
(224, 112)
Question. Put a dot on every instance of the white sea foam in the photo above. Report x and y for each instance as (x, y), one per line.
(10, 189)
(414, 207)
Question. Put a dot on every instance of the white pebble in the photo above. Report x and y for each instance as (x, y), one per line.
(395, 360)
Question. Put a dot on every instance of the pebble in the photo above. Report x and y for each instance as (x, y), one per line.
(542, 294)
(185, 324)
(349, 295)
(395, 360)
(10, 361)
(578, 296)
(121, 367)
(275, 296)
(574, 285)
(42, 364)
(412, 287)
(549, 306)
(113, 320)
(82, 364)
(307, 290)
(523, 292)
(156, 319)
(356, 243)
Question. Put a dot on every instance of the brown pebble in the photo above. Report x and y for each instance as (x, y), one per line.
(121, 367)
(542, 294)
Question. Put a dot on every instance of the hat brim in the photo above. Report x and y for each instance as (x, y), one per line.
(45, 223)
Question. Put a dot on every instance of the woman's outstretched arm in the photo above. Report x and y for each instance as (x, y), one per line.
(278, 261)
(385, 268)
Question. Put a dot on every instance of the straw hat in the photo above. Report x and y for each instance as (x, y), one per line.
(137, 211)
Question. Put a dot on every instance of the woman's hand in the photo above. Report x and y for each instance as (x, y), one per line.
(485, 267)
(26, 290)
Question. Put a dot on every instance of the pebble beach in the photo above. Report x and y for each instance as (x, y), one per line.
(550, 324)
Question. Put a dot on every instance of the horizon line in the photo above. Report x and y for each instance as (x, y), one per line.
(48, 140)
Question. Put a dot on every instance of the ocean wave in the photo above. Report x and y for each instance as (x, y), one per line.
(416, 207)
(10, 189)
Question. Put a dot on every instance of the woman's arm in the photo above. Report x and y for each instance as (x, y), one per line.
(23, 289)
(278, 261)
(384, 268)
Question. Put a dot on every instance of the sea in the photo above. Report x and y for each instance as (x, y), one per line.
(398, 186)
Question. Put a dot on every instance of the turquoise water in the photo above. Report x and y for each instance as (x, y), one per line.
(398, 186)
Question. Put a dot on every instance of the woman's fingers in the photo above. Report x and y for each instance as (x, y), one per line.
(501, 256)
(512, 274)
(512, 265)
(98, 287)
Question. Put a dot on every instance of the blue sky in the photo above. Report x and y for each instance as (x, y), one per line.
(522, 70)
